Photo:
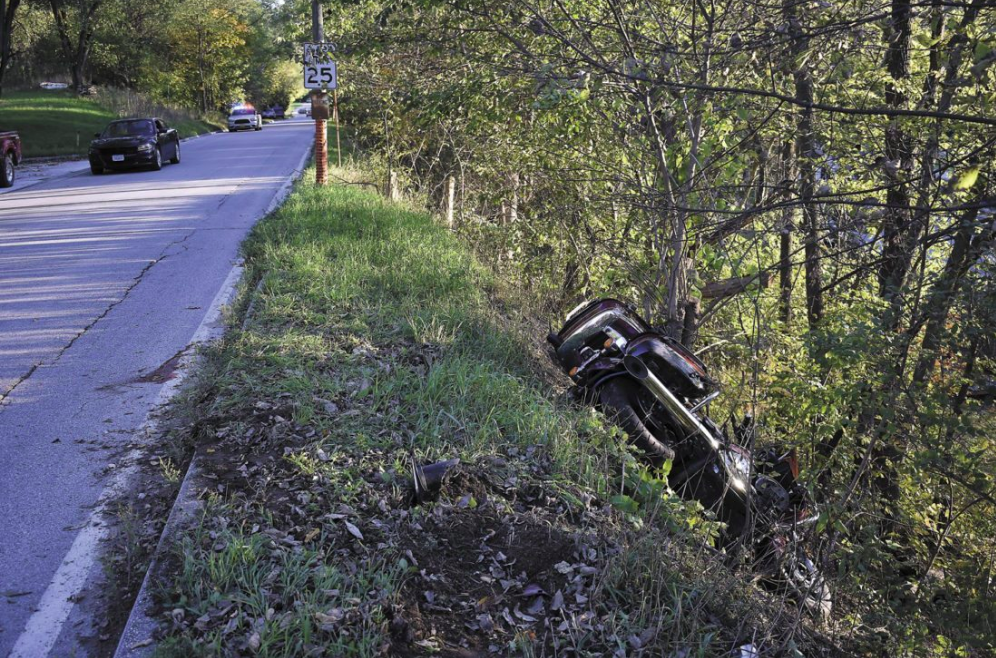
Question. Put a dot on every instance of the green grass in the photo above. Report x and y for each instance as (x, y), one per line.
(366, 332)
(58, 123)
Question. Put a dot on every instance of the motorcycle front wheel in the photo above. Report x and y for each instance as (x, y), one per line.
(805, 582)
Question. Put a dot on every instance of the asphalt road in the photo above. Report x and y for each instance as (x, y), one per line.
(102, 280)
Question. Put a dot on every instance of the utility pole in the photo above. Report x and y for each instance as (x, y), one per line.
(321, 134)
(317, 22)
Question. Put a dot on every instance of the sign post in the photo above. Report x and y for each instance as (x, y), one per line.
(320, 75)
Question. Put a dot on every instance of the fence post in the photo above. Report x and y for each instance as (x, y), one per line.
(393, 191)
(450, 199)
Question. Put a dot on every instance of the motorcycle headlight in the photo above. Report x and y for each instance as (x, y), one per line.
(737, 466)
(145, 147)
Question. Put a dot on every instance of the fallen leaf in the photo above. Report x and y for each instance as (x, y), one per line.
(333, 616)
(485, 621)
(353, 530)
(330, 407)
(532, 589)
(523, 616)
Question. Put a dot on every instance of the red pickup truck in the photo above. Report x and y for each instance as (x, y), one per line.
(10, 156)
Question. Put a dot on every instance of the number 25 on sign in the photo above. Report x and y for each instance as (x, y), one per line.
(320, 76)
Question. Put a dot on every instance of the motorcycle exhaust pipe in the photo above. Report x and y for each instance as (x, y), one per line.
(639, 371)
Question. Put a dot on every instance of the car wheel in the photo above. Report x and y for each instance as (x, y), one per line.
(7, 174)
(176, 156)
(96, 169)
(157, 160)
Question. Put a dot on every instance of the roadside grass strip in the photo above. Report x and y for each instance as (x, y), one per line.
(59, 123)
(369, 335)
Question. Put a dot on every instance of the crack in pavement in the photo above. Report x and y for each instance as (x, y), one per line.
(163, 255)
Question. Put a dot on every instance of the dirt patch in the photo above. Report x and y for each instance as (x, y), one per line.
(489, 570)
(165, 372)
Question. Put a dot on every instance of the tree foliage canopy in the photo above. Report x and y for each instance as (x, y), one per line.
(202, 54)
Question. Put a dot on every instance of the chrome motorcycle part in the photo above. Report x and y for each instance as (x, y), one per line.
(639, 371)
(737, 466)
(704, 401)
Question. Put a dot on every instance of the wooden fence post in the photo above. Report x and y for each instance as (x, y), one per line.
(450, 199)
(391, 187)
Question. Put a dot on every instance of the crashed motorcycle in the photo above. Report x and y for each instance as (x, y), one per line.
(655, 389)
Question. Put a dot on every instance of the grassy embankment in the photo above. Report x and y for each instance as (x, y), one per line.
(367, 333)
(59, 123)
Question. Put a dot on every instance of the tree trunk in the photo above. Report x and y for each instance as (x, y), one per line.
(896, 251)
(6, 35)
(76, 56)
(690, 324)
(968, 246)
(61, 17)
(806, 150)
(951, 62)
(785, 240)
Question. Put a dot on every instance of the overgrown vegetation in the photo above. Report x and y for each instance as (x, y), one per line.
(803, 190)
(373, 335)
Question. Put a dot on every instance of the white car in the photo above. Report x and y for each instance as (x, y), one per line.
(244, 118)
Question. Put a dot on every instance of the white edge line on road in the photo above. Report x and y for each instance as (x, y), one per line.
(45, 624)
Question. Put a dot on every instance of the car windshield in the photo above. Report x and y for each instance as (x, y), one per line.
(243, 110)
(137, 128)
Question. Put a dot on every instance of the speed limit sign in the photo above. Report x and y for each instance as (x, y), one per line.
(320, 76)
(319, 67)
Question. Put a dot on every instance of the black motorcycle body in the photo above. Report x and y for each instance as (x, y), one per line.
(653, 387)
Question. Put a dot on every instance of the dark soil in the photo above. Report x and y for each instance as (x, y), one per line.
(491, 567)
